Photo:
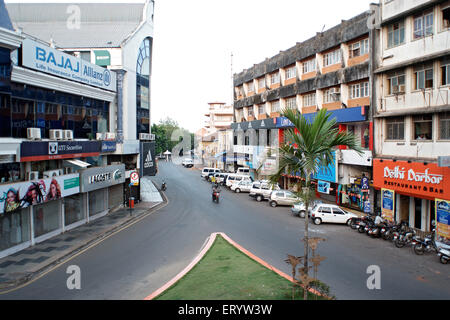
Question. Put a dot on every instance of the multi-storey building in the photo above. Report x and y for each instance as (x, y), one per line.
(329, 71)
(412, 113)
(68, 117)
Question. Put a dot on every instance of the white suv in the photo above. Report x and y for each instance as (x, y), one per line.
(235, 178)
(330, 213)
(261, 190)
(188, 163)
(241, 186)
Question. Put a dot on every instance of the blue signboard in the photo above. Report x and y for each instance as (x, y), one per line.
(327, 173)
(323, 187)
(109, 146)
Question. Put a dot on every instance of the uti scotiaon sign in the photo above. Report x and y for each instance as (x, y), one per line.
(415, 179)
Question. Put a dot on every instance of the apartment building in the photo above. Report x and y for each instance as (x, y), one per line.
(329, 71)
(412, 111)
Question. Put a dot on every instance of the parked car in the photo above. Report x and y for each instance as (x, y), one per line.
(331, 213)
(207, 171)
(188, 163)
(233, 178)
(283, 198)
(243, 171)
(261, 190)
(242, 186)
(298, 209)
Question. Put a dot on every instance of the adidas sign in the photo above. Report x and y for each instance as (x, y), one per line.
(148, 163)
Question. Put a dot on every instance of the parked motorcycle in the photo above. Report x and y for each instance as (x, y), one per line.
(404, 238)
(363, 223)
(390, 230)
(444, 255)
(354, 222)
(425, 245)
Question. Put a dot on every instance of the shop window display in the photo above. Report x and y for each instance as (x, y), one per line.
(14, 228)
(73, 209)
(46, 218)
(97, 202)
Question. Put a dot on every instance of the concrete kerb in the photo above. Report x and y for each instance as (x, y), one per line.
(205, 248)
(32, 276)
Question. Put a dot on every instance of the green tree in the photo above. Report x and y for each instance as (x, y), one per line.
(163, 135)
(311, 147)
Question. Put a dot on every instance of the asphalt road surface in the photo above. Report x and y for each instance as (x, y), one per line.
(138, 260)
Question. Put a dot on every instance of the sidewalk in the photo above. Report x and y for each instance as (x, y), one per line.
(23, 266)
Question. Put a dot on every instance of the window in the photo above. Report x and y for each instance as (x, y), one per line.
(424, 78)
(250, 87)
(291, 103)
(446, 17)
(275, 78)
(444, 126)
(423, 25)
(325, 210)
(423, 127)
(261, 109)
(395, 128)
(396, 83)
(359, 48)
(291, 72)
(275, 106)
(359, 90)
(331, 58)
(396, 34)
(445, 80)
(309, 66)
(261, 83)
(332, 95)
(309, 100)
(250, 112)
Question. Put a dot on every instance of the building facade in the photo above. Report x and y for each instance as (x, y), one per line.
(412, 114)
(329, 71)
(69, 130)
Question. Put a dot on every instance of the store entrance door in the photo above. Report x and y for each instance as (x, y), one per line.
(417, 213)
(404, 208)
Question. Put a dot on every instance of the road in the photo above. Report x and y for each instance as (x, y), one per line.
(138, 260)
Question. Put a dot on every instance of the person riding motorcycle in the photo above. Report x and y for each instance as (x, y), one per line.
(215, 188)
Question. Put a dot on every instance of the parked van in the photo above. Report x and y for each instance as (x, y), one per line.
(233, 178)
(207, 171)
(243, 171)
(261, 190)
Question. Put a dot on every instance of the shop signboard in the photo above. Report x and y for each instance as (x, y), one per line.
(109, 146)
(148, 164)
(50, 150)
(23, 194)
(323, 187)
(388, 204)
(101, 177)
(443, 222)
(417, 179)
(40, 57)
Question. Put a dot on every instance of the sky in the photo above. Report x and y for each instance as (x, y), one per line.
(194, 41)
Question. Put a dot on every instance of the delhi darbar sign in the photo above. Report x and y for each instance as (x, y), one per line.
(49, 60)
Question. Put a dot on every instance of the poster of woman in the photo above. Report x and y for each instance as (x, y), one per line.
(11, 200)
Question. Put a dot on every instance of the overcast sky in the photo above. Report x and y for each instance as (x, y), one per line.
(194, 40)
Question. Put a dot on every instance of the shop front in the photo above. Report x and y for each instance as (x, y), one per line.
(99, 186)
(31, 211)
(408, 191)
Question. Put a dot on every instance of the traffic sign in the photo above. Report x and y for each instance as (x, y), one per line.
(134, 178)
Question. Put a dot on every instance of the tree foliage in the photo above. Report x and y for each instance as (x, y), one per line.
(163, 135)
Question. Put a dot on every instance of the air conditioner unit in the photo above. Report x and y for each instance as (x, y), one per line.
(68, 135)
(33, 175)
(110, 136)
(144, 136)
(34, 133)
(100, 136)
(52, 173)
(56, 134)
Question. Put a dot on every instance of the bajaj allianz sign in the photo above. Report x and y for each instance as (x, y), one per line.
(45, 59)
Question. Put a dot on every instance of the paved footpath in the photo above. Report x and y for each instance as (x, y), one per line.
(24, 266)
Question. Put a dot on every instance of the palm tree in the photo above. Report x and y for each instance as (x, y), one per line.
(311, 147)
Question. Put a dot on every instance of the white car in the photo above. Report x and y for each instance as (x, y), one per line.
(331, 213)
(298, 209)
(234, 178)
(242, 186)
(188, 163)
(261, 190)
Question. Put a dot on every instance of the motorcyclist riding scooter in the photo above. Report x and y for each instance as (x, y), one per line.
(215, 192)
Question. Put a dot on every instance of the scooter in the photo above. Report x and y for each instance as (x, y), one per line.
(444, 255)
(163, 186)
(425, 245)
(215, 196)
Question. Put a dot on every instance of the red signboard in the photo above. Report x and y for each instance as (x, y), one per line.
(417, 179)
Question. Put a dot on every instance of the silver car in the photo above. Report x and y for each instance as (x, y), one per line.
(282, 198)
(298, 209)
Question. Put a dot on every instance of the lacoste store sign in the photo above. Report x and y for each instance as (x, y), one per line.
(415, 178)
(102, 177)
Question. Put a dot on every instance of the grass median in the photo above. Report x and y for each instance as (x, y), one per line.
(225, 273)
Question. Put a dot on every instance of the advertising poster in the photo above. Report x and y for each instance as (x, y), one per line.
(442, 222)
(388, 202)
(323, 187)
(24, 194)
(148, 164)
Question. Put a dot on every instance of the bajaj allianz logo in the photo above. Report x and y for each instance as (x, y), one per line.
(411, 175)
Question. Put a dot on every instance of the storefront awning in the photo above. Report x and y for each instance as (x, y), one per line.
(77, 163)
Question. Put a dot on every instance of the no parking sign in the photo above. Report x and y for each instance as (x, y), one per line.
(134, 178)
